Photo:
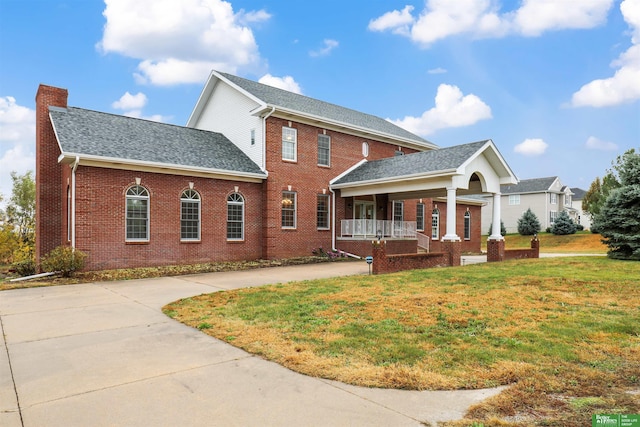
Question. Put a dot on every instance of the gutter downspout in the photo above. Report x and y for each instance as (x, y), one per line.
(73, 201)
(264, 138)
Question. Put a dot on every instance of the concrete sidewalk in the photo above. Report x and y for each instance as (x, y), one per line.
(104, 354)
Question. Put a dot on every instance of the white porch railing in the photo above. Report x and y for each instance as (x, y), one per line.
(369, 228)
(423, 241)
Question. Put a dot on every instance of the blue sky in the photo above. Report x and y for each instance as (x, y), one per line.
(554, 83)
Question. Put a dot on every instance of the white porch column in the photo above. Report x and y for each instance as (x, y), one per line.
(451, 216)
(495, 224)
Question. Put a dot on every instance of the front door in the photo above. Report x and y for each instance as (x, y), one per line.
(365, 216)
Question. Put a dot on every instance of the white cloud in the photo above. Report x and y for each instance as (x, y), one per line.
(438, 70)
(130, 102)
(531, 147)
(329, 45)
(286, 83)
(624, 85)
(452, 109)
(594, 143)
(180, 41)
(482, 18)
(17, 141)
(397, 21)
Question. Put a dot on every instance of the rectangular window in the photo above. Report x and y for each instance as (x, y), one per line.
(190, 220)
(322, 215)
(324, 150)
(553, 198)
(514, 199)
(288, 209)
(420, 216)
(552, 216)
(289, 143)
(253, 137)
(435, 224)
(137, 219)
(235, 219)
(467, 225)
(398, 217)
(567, 200)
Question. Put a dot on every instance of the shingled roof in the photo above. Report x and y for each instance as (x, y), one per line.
(293, 102)
(110, 137)
(424, 162)
(535, 185)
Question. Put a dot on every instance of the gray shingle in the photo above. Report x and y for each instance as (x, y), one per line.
(578, 193)
(423, 162)
(87, 132)
(534, 185)
(304, 104)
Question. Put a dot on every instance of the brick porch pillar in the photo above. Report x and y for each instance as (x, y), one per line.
(379, 252)
(535, 246)
(495, 250)
(454, 249)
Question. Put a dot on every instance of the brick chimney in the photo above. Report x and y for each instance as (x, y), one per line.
(49, 211)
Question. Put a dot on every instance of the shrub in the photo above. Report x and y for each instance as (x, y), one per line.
(26, 267)
(563, 225)
(64, 259)
(579, 227)
(528, 224)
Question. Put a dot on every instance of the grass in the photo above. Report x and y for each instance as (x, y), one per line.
(582, 242)
(563, 332)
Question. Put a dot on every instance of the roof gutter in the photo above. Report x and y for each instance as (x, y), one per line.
(412, 177)
(264, 138)
(73, 201)
(70, 158)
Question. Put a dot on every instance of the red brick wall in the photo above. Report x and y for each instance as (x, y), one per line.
(100, 219)
(48, 172)
(308, 180)
(384, 263)
(363, 247)
(468, 246)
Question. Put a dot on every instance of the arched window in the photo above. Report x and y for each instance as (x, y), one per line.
(235, 217)
(365, 149)
(435, 224)
(190, 215)
(467, 225)
(137, 213)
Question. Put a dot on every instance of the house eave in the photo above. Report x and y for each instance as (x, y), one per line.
(155, 167)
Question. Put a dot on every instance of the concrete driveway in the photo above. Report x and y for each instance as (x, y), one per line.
(104, 354)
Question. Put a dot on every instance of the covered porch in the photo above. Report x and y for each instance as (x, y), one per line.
(378, 187)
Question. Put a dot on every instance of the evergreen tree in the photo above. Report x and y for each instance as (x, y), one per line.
(528, 224)
(619, 220)
(503, 229)
(563, 224)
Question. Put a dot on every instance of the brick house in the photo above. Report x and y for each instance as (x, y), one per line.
(257, 172)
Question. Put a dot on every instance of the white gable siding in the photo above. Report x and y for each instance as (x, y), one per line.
(227, 112)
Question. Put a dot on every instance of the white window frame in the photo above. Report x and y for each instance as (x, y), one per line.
(289, 138)
(567, 200)
(236, 199)
(420, 217)
(253, 137)
(137, 192)
(327, 140)
(553, 198)
(327, 212)
(467, 225)
(553, 215)
(293, 197)
(193, 197)
(514, 199)
(365, 149)
(435, 224)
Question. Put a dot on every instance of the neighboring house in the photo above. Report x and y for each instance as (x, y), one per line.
(546, 197)
(258, 172)
(579, 216)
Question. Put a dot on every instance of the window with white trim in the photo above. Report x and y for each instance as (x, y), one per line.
(398, 211)
(553, 215)
(289, 143)
(253, 137)
(467, 225)
(235, 217)
(288, 209)
(420, 217)
(553, 198)
(322, 212)
(190, 215)
(137, 214)
(514, 199)
(567, 199)
(435, 224)
(324, 150)
(365, 149)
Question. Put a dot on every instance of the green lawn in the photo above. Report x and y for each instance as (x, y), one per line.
(582, 242)
(563, 332)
